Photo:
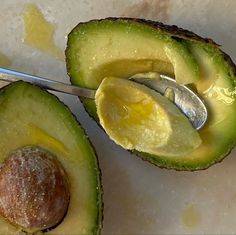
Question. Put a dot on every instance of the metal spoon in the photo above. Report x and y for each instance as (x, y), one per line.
(188, 102)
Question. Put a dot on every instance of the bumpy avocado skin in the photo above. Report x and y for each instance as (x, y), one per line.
(186, 37)
(23, 88)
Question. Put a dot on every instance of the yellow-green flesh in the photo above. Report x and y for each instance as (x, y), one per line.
(139, 118)
(31, 116)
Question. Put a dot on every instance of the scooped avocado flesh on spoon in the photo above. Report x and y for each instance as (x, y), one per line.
(138, 118)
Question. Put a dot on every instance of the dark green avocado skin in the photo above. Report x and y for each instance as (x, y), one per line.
(177, 34)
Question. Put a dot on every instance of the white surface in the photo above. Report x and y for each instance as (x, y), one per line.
(139, 198)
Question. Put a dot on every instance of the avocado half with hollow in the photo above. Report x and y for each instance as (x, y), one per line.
(49, 174)
(122, 47)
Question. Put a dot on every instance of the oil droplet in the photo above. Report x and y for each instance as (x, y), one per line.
(191, 217)
(4, 61)
(39, 33)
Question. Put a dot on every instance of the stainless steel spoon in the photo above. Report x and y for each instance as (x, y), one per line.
(188, 102)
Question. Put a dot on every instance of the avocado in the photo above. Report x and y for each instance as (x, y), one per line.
(122, 47)
(138, 118)
(36, 122)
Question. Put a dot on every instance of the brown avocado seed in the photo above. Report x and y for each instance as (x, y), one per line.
(34, 190)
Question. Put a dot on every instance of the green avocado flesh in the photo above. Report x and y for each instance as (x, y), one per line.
(121, 47)
(30, 116)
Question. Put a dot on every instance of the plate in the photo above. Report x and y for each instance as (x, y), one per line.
(139, 198)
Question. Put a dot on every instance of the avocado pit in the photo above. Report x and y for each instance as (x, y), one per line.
(34, 190)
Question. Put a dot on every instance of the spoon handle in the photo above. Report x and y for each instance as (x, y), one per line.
(13, 76)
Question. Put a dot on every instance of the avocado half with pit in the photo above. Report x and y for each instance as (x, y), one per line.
(49, 174)
(123, 47)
